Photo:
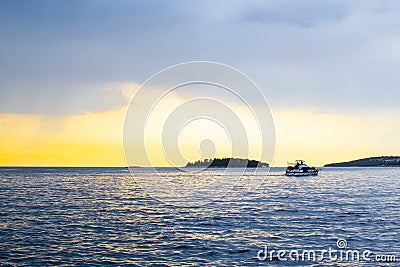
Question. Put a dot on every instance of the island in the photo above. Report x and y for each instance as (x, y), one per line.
(224, 162)
(384, 161)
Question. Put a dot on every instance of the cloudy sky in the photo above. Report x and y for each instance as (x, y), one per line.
(69, 68)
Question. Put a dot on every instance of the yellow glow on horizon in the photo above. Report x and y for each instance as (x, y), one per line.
(92, 139)
(95, 139)
(321, 138)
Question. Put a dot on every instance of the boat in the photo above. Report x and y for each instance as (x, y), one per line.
(300, 168)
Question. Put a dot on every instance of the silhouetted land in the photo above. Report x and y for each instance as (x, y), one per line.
(385, 161)
(225, 162)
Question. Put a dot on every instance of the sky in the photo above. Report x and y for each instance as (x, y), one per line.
(68, 69)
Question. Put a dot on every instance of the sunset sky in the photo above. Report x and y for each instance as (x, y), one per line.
(68, 69)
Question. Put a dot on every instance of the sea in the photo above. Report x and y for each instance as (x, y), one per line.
(106, 217)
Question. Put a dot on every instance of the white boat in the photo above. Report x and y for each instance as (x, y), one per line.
(300, 168)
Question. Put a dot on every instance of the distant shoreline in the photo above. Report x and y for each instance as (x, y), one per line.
(227, 162)
(383, 161)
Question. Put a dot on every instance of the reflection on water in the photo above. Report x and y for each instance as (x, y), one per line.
(100, 216)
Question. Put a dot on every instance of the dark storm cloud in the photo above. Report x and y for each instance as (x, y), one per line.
(313, 13)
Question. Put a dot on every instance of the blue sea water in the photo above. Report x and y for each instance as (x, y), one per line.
(100, 216)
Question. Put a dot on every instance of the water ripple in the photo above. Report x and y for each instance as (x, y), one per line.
(99, 216)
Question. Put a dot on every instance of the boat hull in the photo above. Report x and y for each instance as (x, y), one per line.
(302, 173)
